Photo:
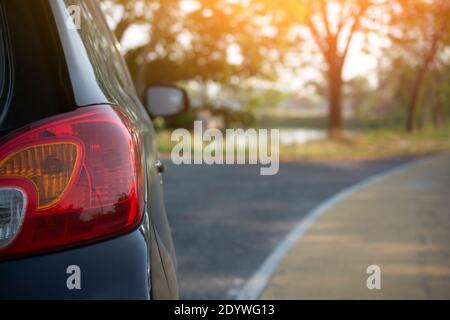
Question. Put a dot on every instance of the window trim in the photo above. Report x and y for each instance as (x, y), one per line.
(7, 79)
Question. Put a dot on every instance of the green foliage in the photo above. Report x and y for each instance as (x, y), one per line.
(212, 27)
(184, 120)
(233, 118)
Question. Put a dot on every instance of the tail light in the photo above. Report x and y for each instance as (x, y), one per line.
(72, 180)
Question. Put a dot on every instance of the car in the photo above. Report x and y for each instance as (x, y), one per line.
(82, 213)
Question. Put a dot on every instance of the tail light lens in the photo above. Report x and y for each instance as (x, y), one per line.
(71, 180)
(12, 205)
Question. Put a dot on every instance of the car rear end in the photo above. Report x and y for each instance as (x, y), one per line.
(73, 166)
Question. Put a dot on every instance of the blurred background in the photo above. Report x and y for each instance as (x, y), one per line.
(362, 72)
(355, 86)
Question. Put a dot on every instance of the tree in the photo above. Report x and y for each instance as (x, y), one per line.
(332, 24)
(163, 20)
(420, 29)
(334, 43)
(194, 44)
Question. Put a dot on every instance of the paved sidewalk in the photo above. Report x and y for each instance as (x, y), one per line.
(401, 223)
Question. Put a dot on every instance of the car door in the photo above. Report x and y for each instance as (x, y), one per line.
(99, 75)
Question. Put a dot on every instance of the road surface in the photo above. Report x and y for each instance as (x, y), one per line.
(227, 219)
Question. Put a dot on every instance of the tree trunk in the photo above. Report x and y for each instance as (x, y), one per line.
(437, 108)
(411, 122)
(335, 100)
(427, 61)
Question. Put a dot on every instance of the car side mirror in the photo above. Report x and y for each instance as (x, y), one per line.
(165, 100)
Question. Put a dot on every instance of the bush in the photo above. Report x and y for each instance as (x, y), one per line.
(233, 118)
(184, 120)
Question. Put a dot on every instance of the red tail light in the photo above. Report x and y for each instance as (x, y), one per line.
(69, 181)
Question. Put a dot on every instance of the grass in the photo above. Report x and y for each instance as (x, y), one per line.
(378, 144)
(359, 145)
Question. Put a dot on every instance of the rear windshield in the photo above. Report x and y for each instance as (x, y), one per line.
(34, 83)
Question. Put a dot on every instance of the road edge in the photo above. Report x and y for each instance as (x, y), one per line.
(254, 287)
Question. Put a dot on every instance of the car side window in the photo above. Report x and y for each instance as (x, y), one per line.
(103, 50)
(3, 67)
(34, 82)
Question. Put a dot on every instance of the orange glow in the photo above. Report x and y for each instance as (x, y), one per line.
(50, 167)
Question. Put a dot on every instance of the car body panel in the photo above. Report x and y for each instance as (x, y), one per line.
(141, 264)
(112, 269)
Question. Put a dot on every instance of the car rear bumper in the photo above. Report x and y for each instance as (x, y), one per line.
(114, 269)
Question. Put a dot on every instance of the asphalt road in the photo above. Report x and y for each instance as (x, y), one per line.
(227, 219)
